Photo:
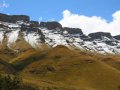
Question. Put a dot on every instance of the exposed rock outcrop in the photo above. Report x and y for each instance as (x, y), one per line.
(117, 37)
(14, 18)
(51, 25)
(99, 35)
(34, 24)
(73, 30)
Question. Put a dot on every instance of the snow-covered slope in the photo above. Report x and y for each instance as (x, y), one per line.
(53, 34)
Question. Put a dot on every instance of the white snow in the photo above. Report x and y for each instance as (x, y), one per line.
(31, 38)
(13, 36)
(54, 38)
(1, 36)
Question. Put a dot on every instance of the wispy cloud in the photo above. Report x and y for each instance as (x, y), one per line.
(3, 5)
(91, 24)
(52, 19)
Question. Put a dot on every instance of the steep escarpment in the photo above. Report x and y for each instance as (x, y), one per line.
(19, 30)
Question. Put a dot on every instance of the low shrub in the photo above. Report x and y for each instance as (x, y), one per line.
(11, 82)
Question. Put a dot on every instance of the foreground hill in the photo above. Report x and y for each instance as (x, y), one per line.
(63, 69)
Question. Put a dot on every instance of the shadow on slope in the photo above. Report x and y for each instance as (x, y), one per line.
(61, 67)
(6, 68)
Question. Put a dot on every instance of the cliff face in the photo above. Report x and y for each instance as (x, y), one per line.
(51, 25)
(99, 35)
(73, 30)
(14, 18)
(17, 31)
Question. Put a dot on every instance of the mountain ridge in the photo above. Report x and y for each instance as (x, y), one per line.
(19, 28)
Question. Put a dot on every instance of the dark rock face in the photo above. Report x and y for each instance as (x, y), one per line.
(117, 37)
(14, 18)
(2, 26)
(4, 17)
(24, 27)
(33, 29)
(99, 35)
(85, 38)
(110, 43)
(34, 24)
(51, 25)
(73, 30)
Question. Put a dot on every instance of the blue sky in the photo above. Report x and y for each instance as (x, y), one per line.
(89, 15)
(52, 9)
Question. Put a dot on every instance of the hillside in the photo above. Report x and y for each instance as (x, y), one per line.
(62, 69)
(51, 57)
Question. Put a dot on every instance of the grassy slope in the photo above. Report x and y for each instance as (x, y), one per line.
(63, 68)
(113, 61)
(6, 68)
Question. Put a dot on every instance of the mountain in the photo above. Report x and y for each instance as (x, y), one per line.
(51, 57)
(17, 32)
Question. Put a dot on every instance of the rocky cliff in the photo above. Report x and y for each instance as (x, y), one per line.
(18, 31)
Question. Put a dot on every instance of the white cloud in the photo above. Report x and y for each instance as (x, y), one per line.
(3, 5)
(91, 24)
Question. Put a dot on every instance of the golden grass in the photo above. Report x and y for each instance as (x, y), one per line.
(63, 69)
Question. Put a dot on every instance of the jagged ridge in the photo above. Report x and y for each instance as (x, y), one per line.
(19, 28)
